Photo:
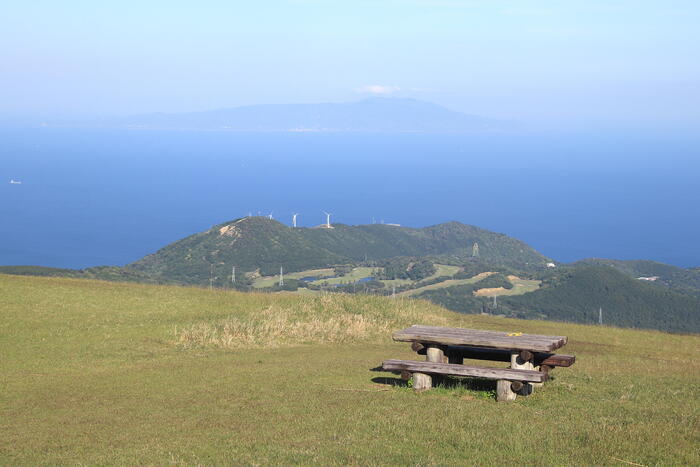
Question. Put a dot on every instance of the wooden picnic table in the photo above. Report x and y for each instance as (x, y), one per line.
(478, 338)
(445, 349)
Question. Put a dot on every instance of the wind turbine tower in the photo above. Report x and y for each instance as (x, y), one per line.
(294, 220)
(270, 215)
(281, 276)
(328, 219)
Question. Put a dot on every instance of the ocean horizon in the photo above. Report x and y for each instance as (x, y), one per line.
(110, 197)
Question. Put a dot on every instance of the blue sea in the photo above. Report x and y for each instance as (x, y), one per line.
(96, 197)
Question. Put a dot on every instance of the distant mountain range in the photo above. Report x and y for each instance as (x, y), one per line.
(376, 114)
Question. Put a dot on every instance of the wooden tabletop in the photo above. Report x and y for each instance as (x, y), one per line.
(479, 338)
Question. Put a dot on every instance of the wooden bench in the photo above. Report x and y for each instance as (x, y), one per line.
(457, 354)
(445, 349)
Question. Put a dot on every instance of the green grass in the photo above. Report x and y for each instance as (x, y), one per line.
(444, 284)
(445, 270)
(441, 270)
(270, 281)
(355, 275)
(520, 287)
(111, 373)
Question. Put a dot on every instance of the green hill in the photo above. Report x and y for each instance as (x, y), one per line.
(577, 295)
(687, 280)
(106, 373)
(106, 273)
(264, 245)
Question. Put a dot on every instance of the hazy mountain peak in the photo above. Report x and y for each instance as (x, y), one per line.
(373, 114)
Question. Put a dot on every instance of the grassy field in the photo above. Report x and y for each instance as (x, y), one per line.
(354, 276)
(269, 281)
(111, 373)
(520, 286)
(447, 283)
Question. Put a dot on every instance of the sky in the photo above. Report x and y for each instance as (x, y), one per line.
(589, 62)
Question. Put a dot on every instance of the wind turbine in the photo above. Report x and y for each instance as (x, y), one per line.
(294, 220)
(328, 219)
(270, 215)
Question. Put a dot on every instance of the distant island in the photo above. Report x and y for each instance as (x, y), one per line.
(461, 267)
(375, 114)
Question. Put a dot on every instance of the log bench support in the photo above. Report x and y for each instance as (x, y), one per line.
(510, 382)
(523, 361)
(424, 381)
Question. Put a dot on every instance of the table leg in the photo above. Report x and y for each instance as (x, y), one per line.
(422, 381)
(504, 391)
(517, 363)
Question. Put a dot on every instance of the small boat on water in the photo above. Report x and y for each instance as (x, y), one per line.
(15, 182)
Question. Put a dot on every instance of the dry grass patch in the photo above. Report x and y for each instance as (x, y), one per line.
(520, 287)
(335, 318)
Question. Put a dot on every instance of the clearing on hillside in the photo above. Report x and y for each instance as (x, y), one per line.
(520, 287)
(447, 283)
(327, 278)
(270, 281)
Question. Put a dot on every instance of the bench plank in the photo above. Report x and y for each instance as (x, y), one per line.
(474, 337)
(464, 370)
(501, 355)
(555, 360)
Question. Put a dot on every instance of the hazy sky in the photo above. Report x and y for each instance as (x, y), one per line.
(620, 61)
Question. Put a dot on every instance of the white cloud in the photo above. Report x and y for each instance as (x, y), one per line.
(377, 89)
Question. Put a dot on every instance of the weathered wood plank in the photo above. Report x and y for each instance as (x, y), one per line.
(464, 370)
(461, 331)
(556, 360)
(496, 343)
(475, 337)
(469, 333)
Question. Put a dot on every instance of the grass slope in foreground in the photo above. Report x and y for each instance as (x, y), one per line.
(99, 372)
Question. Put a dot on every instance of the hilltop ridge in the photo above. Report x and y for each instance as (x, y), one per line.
(264, 245)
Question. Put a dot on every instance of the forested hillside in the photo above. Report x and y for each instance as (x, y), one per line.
(439, 263)
(578, 294)
(264, 245)
(687, 280)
